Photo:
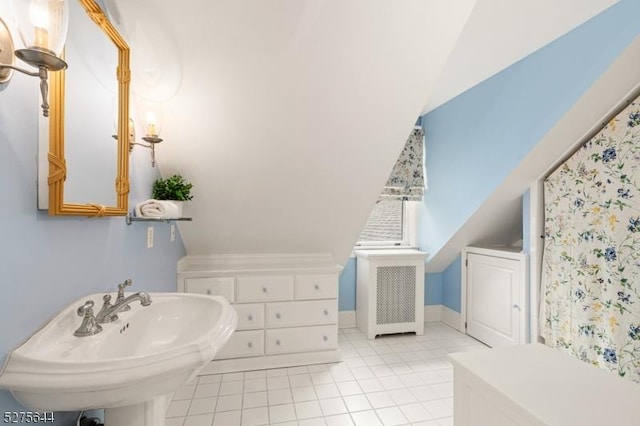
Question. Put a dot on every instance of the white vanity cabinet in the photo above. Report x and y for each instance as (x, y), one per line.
(287, 308)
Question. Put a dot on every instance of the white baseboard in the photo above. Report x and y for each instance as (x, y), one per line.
(451, 318)
(346, 319)
(432, 313)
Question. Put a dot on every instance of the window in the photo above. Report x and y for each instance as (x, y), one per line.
(385, 225)
(393, 221)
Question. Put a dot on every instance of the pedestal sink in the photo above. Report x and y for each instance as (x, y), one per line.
(131, 368)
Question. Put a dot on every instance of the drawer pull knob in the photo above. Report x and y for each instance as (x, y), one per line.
(250, 344)
(326, 312)
(209, 292)
(278, 316)
(264, 289)
(278, 342)
(317, 287)
(250, 317)
(325, 338)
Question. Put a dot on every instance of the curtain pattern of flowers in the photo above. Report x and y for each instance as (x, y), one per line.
(590, 304)
(407, 181)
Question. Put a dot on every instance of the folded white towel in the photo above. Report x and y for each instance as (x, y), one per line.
(158, 208)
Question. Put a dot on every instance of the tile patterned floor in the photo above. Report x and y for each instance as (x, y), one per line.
(392, 380)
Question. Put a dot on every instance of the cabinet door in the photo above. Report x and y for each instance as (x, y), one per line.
(494, 311)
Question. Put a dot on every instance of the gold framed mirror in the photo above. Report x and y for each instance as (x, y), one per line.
(83, 152)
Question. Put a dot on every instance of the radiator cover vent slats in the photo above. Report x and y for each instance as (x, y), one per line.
(396, 302)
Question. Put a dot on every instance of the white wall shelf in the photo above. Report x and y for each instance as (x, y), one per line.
(130, 218)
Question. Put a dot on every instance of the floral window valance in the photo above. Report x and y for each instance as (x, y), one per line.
(407, 181)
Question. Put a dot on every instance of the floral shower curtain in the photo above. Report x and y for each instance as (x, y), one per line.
(590, 303)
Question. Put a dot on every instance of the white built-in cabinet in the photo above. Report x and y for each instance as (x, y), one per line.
(496, 295)
(286, 305)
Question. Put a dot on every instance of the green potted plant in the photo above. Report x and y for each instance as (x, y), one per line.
(175, 189)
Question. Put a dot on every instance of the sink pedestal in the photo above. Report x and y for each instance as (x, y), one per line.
(148, 413)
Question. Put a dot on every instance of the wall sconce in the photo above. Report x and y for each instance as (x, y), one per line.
(42, 25)
(152, 115)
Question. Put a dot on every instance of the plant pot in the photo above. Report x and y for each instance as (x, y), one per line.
(174, 211)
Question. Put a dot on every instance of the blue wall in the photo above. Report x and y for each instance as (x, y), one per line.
(48, 262)
(347, 287)
(451, 285)
(433, 288)
(475, 140)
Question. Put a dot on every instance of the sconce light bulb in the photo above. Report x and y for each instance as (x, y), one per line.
(40, 18)
(152, 124)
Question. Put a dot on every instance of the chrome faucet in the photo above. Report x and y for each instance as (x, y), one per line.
(109, 312)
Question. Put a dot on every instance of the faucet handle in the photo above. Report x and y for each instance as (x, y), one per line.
(106, 306)
(86, 310)
(89, 326)
(121, 287)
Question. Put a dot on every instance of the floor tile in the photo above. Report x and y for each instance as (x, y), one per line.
(282, 413)
(306, 393)
(309, 409)
(231, 387)
(349, 388)
(380, 399)
(255, 416)
(254, 385)
(332, 406)
(391, 416)
(174, 421)
(366, 418)
(393, 380)
(327, 391)
(202, 406)
(229, 403)
(199, 420)
(227, 418)
(254, 399)
(339, 420)
(415, 412)
(279, 396)
(357, 403)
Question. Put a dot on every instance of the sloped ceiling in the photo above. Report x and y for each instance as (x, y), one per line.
(288, 115)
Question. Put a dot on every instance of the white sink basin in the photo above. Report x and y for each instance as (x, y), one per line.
(145, 355)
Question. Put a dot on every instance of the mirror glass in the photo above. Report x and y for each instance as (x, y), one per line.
(88, 151)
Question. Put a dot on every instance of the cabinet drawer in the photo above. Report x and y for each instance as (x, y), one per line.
(250, 316)
(321, 286)
(216, 286)
(242, 344)
(302, 339)
(265, 288)
(292, 314)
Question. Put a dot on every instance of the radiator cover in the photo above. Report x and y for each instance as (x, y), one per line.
(390, 291)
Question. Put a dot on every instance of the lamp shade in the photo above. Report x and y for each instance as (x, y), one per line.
(42, 24)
